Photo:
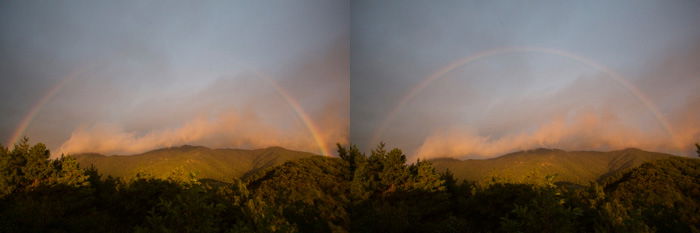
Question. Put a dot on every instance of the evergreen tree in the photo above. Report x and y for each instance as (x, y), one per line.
(354, 193)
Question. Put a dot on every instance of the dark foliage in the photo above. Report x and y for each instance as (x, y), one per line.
(354, 193)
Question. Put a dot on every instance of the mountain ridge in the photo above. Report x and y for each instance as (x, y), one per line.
(222, 164)
(532, 166)
(225, 164)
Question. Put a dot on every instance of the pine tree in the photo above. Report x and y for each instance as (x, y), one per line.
(24, 166)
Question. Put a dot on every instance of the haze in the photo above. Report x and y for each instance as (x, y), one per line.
(130, 76)
(575, 75)
(464, 79)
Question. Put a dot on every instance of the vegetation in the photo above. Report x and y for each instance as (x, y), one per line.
(378, 192)
(218, 164)
(578, 167)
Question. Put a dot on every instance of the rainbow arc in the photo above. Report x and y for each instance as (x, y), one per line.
(440, 73)
(56, 88)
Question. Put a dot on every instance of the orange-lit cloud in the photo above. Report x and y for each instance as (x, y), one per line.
(592, 130)
(229, 129)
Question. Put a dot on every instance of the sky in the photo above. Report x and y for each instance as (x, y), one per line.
(124, 77)
(478, 79)
(462, 79)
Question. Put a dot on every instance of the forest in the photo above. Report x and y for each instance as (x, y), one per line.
(357, 192)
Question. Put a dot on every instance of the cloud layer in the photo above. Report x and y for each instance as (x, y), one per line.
(513, 101)
(229, 129)
(584, 131)
(153, 76)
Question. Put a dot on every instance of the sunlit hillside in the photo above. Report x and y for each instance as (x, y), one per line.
(219, 164)
(358, 192)
(532, 166)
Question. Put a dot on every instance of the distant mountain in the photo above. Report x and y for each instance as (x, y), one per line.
(218, 164)
(579, 167)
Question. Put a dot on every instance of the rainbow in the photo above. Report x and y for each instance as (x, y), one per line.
(310, 125)
(405, 99)
(36, 108)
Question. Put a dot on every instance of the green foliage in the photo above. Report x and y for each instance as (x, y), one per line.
(424, 177)
(547, 211)
(665, 193)
(67, 172)
(192, 207)
(27, 167)
(35, 189)
(219, 164)
(576, 167)
(387, 195)
(354, 193)
(310, 193)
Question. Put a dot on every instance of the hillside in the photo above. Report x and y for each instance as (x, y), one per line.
(532, 166)
(379, 192)
(665, 192)
(219, 164)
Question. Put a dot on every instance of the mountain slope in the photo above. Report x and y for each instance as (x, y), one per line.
(665, 192)
(219, 164)
(532, 166)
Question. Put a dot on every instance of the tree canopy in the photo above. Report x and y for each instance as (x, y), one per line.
(379, 192)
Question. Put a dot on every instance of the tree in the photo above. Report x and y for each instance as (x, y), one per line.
(664, 194)
(354, 193)
(310, 193)
(66, 171)
(698, 151)
(23, 167)
(351, 155)
(425, 178)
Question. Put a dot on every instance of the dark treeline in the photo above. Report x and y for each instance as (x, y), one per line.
(353, 193)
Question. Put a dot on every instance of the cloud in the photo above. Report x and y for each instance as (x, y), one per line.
(591, 113)
(240, 109)
(590, 130)
(175, 76)
(238, 129)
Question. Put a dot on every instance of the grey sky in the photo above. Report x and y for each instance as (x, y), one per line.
(149, 74)
(155, 65)
(654, 45)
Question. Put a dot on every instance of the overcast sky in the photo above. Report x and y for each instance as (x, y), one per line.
(139, 75)
(555, 90)
(435, 78)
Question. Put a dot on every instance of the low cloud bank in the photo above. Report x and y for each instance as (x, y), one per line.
(229, 129)
(585, 131)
